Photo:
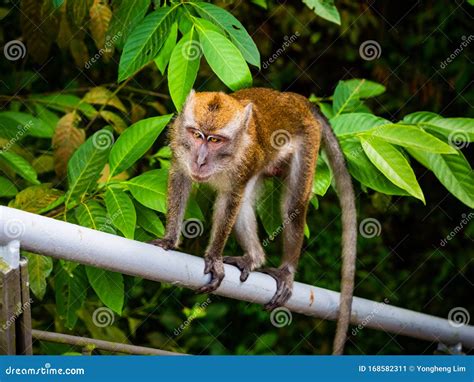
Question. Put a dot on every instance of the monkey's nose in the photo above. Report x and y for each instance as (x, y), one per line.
(201, 161)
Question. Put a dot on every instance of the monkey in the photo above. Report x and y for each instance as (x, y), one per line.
(231, 142)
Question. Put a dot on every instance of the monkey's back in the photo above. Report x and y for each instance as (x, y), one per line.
(284, 112)
(276, 110)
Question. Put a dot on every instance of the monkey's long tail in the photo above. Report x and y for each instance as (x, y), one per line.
(346, 195)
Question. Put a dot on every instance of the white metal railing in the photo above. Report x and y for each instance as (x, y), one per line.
(67, 241)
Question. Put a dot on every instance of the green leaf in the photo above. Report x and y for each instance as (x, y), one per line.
(184, 65)
(108, 286)
(456, 129)
(322, 178)
(365, 88)
(346, 98)
(150, 189)
(225, 59)
(269, 208)
(325, 9)
(39, 268)
(47, 116)
(149, 221)
(193, 211)
(19, 165)
(453, 171)
(93, 215)
(351, 123)
(29, 125)
(135, 142)
(10, 129)
(233, 27)
(201, 23)
(7, 188)
(71, 291)
(86, 164)
(410, 136)
(164, 54)
(125, 18)
(326, 109)
(393, 164)
(121, 211)
(145, 41)
(420, 116)
(65, 102)
(362, 169)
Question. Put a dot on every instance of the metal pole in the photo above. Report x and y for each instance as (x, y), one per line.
(71, 242)
(89, 344)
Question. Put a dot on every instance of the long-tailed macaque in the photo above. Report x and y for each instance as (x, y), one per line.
(231, 141)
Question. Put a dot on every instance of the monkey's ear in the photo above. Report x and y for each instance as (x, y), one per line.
(190, 97)
(247, 114)
(188, 108)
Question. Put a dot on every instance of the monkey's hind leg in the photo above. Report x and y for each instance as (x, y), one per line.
(246, 232)
(297, 194)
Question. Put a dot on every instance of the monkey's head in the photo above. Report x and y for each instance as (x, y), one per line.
(210, 134)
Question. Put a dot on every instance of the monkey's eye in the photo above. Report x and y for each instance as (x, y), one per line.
(213, 139)
(197, 135)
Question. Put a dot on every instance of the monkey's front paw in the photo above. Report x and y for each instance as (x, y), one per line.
(284, 279)
(244, 263)
(215, 267)
(164, 243)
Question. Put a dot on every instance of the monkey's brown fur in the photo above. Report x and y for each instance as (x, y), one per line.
(256, 131)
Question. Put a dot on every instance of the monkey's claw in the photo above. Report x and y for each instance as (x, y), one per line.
(244, 263)
(215, 267)
(164, 243)
(284, 279)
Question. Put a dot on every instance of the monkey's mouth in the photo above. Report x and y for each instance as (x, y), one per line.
(200, 177)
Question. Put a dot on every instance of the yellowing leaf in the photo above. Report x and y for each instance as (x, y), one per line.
(79, 52)
(100, 14)
(38, 44)
(116, 121)
(103, 96)
(35, 198)
(67, 138)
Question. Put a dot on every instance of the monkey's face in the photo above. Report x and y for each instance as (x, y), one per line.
(209, 153)
(210, 132)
